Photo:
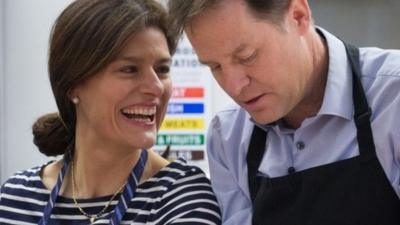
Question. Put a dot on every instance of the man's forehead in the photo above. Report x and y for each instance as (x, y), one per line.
(228, 13)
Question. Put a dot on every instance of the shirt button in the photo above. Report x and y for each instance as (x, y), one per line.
(291, 170)
(300, 145)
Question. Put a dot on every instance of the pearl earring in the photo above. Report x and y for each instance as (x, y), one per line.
(75, 100)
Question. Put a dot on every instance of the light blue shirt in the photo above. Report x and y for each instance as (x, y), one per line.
(328, 137)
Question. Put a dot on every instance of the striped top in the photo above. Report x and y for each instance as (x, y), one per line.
(177, 194)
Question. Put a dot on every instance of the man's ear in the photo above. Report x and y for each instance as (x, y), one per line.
(299, 16)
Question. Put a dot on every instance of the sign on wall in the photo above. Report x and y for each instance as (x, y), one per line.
(189, 110)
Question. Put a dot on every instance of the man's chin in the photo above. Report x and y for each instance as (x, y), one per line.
(262, 119)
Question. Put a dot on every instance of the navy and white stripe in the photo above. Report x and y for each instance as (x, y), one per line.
(129, 190)
(53, 195)
(178, 194)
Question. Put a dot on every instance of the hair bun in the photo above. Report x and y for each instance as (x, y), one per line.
(51, 136)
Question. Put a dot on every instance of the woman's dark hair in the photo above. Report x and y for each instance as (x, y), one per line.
(86, 37)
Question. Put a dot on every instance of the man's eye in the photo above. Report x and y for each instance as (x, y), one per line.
(249, 59)
(129, 69)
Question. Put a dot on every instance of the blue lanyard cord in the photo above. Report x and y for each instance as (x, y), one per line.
(124, 199)
(129, 190)
(54, 193)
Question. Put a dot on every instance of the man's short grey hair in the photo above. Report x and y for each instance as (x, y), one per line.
(183, 11)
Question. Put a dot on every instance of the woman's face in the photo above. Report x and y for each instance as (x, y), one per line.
(125, 103)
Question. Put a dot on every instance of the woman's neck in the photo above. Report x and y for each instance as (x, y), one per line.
(101, 165)
(99, 171)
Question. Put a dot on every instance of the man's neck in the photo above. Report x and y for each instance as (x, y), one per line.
(311, 103)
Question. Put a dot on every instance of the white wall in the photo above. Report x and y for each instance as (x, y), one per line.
(27, 93)
(1, 88)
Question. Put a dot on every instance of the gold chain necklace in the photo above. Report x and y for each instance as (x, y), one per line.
(91, 217)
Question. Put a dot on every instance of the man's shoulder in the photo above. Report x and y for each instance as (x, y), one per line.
(229, 116)
(380, 63)
(231, 128)
(381, 81)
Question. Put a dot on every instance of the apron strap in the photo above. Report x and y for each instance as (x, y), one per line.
(362, 112)
(254, 157)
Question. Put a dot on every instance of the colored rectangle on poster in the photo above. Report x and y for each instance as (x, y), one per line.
(182, 124)
(180, 139)
(185, 108)
(187, 92)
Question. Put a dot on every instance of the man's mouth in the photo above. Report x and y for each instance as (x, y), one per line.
(253, 100)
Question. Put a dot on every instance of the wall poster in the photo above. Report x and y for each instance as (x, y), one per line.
(189, 112)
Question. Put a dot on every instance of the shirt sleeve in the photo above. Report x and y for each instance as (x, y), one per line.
(235, 205)
(1, 192)
(189, 200)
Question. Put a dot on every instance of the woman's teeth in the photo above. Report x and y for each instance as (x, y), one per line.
(141, 114)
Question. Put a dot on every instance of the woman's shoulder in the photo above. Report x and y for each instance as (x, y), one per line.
(25, 184)
(27, 177)
(183, 192)
(178, 174)
(179, 170)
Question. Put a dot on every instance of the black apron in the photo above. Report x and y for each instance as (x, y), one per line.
(354, 191)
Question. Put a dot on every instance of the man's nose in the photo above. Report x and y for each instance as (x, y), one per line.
(234, 79)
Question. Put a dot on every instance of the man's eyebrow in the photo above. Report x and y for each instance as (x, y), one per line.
(240, 48)
(236, 51)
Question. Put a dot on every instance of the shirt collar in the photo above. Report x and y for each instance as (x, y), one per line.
(338, 99)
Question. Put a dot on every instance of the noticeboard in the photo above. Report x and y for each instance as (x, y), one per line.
(189, 110)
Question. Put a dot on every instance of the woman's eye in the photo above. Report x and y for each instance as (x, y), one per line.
(129, 69)
(163, 69)
(214, 68)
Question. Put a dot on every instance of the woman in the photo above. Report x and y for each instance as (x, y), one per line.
(109, 70)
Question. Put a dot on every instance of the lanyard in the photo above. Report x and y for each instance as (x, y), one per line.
(124, 199)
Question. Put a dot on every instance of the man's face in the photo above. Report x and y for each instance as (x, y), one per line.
(260, 65)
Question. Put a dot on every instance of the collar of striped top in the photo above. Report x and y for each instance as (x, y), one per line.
(124, 199)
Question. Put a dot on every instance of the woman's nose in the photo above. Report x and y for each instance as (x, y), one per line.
(152, 83)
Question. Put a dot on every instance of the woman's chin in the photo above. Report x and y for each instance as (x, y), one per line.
(146, 142)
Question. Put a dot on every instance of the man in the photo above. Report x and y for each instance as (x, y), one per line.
(298, 149)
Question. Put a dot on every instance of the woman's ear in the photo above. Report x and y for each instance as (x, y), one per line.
(73, 96)
(75, 100)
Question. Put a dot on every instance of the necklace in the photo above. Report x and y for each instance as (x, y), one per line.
(119, 210)
(92, 217)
